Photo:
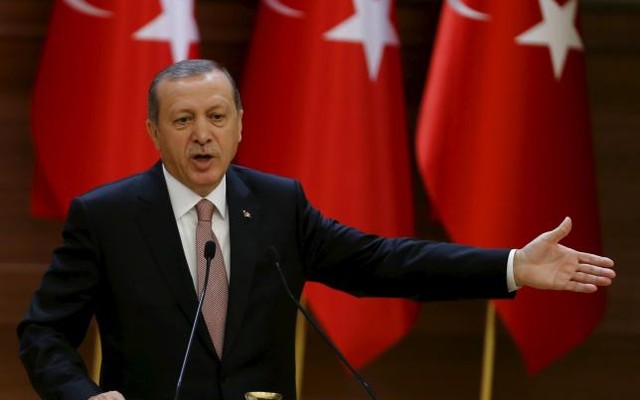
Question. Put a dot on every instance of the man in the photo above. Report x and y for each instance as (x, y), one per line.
(132, 257)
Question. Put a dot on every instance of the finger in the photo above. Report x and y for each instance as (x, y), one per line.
(561, 231)
(588, 258)
(595, 270)
(581, 277)
(580, 287)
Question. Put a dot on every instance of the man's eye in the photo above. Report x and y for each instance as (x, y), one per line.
(182, 120)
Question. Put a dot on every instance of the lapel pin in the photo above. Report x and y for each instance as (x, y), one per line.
(246, 214)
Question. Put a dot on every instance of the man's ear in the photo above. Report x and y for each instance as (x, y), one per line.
(240, 127)
(152, 130)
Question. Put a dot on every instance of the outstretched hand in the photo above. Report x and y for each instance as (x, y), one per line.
(546, 264)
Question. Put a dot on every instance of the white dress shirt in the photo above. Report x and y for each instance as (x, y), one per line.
(183, 202)
(511, 279)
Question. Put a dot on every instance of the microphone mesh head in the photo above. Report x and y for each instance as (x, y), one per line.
(209, 250)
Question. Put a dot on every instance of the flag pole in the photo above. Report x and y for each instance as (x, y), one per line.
(97, 357)
(301, 342)
(488, 356)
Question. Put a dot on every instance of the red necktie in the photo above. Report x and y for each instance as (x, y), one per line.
(214, 308)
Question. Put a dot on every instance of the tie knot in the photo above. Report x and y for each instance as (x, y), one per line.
(205, 209)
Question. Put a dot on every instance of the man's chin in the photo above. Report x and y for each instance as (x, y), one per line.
(205, 186)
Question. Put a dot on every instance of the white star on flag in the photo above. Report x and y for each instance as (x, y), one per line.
(176, 25)
(557, 31)
(370, 25)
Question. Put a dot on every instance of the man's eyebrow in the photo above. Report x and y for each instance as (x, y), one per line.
(182, 111)
(219, 105)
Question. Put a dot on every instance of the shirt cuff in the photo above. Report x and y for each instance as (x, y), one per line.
(511, 279)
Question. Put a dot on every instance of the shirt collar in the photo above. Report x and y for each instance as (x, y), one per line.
(184, 199)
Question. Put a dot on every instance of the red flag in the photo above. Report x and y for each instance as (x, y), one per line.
(505, 152)
(324, 103)
(89, 104)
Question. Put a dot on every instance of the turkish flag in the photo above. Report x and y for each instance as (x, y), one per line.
(505, 152)
(324, 103)
(89, 104)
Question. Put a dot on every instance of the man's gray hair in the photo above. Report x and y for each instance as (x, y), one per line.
(186, 69)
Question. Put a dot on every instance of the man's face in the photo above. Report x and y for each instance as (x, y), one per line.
(198, 130)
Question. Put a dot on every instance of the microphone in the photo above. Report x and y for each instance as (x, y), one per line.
(274, 258)
(209, 253)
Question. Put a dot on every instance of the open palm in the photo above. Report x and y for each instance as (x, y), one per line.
(546, 264)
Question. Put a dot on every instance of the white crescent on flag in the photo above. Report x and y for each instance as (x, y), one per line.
(464, 10)
(88, 9)
(283, 9)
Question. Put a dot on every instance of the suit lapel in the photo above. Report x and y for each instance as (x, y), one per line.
(244, 223)
(159, 227)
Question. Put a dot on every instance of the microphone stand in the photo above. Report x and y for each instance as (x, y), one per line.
(209, 253)
(274, 257)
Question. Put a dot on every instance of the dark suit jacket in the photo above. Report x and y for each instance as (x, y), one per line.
(122, 261)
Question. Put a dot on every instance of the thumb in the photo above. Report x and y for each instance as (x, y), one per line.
(561, 231)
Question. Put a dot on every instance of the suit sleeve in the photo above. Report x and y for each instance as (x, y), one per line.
(61, 309)
(367, 265)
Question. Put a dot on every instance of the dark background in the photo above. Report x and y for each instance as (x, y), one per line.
(441, 358)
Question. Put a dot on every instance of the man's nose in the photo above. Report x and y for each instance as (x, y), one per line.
(201, 131)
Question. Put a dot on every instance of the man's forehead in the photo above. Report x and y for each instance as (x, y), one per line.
(214, 76)
(214, 83)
